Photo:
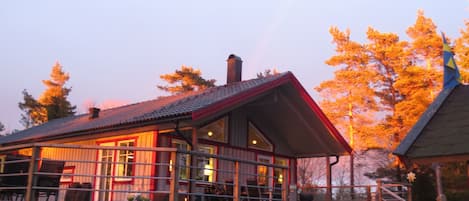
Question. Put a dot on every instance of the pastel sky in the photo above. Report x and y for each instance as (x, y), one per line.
(115, 50)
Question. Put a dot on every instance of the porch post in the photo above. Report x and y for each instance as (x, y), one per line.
(329, 178)
(439, 186)
(285, 185)
(174, 181)
(32, 179)
(193, 168)
(236, 187)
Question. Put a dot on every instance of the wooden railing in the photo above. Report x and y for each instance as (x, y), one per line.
(142, 182)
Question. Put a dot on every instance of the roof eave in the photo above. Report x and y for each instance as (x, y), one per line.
(424, 119)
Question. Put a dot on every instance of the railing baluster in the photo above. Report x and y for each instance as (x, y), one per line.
(174, 182)
(32, 178)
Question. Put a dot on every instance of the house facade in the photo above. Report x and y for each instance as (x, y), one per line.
(243, 131)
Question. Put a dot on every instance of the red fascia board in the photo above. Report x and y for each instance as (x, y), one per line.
(214, 108)
(317, 110)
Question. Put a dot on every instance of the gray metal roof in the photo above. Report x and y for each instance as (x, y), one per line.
(443, 130)
(160, 108)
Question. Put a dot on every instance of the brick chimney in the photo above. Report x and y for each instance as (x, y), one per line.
(234, 69)
(93, 112)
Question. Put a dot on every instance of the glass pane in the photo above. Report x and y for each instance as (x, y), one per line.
(257, 140)
(215, 131)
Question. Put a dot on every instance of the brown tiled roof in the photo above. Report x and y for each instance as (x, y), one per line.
(443, 130)
(158, 109)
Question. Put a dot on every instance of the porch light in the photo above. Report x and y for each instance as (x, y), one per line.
(210, 133)
(280, 178)
(254, 141)
(208, 170)
(170, 165)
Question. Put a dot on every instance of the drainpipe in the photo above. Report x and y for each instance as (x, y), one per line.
(329, 175)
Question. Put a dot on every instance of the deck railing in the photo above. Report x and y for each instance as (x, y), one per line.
(81, 172)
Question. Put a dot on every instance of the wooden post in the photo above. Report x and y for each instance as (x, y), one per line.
(378, 190)
(193, 162)
(368, 193)
(439, 187)
(285, 185)
(32, 178)
(236, 187)
(409, 192)
(329, 179)
(174, 181)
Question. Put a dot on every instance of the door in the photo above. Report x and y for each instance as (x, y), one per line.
(104, 173)
(264, 173)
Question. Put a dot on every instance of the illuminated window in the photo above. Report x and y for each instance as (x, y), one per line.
(257, 140)
(206, 166)
(279, 176)
(263, 172)
(125, 159)
(184, 159)
(215, 131)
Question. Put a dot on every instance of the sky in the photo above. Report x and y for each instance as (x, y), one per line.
(116, 50)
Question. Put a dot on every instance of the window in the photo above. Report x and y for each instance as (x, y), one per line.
(263, 172)
(215, 131)
(184, 159)
(256, 139)
(125, 160)
(120, 163)
(278, 172)
(206, 166)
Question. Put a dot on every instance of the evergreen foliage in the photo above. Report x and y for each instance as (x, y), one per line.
(52, 103)
(184, 80)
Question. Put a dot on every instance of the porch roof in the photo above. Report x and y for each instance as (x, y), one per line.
(196, 106)
(442, 133)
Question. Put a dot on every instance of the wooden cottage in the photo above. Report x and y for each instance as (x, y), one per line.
(246, 133)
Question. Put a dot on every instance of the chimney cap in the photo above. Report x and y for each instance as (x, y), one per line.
(233, 56)
(93, 112)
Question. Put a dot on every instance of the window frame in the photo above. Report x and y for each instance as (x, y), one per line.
(187, 157)
(117, 178)
(212, 164)
(260, 135)
(226, 121)
(125, 163)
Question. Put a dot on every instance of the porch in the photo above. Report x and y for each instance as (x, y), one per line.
(72, 172)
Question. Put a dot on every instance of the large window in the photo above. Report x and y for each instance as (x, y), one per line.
(184, 159)
(125, 159)
(206, 166)
(279, 176)
(256, 139)
(214, 131)
(264, 172)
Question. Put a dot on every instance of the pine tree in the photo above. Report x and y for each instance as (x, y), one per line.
(421, 80)
(52, 103)
(461, 49)
(348, 99)
(184, 80)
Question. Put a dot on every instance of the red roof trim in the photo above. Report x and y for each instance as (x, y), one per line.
(289, 77)
(214, 108)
